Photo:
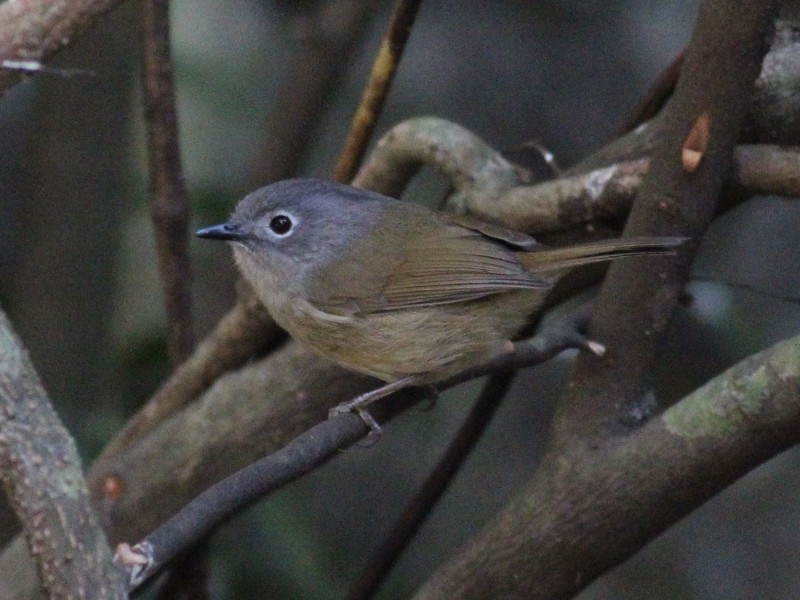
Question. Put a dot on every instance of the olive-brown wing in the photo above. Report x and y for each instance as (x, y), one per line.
(439, 265)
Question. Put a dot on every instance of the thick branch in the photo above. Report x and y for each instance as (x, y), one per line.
(601, 507)
(34, 30)
(634, 308)
(243, 332)
(608, 193)
(42, 477)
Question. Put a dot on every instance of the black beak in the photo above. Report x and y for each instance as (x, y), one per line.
(226, 232)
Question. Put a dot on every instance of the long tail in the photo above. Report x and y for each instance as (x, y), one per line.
(583, 254)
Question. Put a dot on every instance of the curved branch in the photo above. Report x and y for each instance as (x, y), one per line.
(479, 173)
(595, 509)
(41, 473)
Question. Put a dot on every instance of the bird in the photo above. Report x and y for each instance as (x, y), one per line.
(391, 288)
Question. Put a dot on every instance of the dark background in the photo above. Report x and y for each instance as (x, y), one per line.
(78, 269)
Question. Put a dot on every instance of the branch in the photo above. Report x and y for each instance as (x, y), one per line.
(266, 407)
(563, 532)
(169, 202)
(242, 333)
(608, 193)
(722, 61)
(376, 90)
(215, 505)
(34, 30)
(478, 172)
(41, 473)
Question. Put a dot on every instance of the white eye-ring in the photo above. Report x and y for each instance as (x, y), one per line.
(282, 224)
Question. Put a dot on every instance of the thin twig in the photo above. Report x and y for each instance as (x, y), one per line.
(169, 202)
(376, 90)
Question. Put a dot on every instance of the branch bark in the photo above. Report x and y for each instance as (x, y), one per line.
(561, 533)
(722, 61)
(169, 201)
(41, 473)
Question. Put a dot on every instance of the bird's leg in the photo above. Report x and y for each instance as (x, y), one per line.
(360, 403)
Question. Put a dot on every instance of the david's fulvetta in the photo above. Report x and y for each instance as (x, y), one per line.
(391, 288)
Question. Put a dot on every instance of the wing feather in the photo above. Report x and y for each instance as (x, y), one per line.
(439, 265)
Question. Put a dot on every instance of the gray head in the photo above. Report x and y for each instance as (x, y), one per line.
(285, 230)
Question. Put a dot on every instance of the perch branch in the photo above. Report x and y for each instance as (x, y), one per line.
(318, 443)
(42, 477)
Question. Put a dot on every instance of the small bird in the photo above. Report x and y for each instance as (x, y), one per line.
(390, 288)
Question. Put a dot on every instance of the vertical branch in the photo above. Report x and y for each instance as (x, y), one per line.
(169, 210)
(42, 477)
(376, 90)
(634, 308)
(169, 203)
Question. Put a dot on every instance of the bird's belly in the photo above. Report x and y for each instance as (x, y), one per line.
(436, 341)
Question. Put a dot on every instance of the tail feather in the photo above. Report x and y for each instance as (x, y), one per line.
(552, 259)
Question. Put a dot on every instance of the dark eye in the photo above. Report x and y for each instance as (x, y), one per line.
(280, 224)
